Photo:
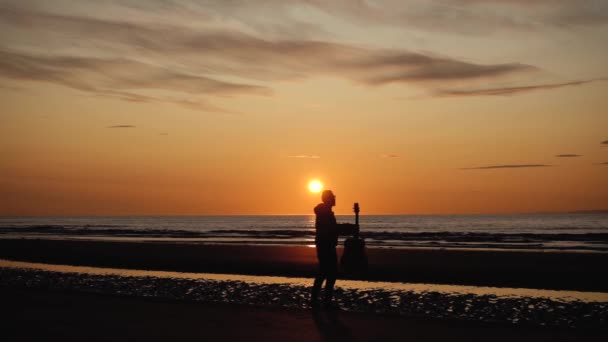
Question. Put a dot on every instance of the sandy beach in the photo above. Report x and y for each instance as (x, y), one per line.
(99, 303)
(31, 315)
(507, 268)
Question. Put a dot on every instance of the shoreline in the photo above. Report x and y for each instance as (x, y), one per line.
(379, 239)
(563, 270)
(309, 244)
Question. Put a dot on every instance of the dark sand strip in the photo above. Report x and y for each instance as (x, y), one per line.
(531, 269)
(566, 309)
(29, 315)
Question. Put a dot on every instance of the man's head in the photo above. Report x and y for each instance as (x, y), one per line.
(328, 198)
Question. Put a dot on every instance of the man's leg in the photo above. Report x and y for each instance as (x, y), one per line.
(321, 275)
(329, 290)
(331, 274)
(316, 288)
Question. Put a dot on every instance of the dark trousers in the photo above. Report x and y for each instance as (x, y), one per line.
(328, 271)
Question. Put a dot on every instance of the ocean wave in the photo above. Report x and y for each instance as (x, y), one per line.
(373, 237)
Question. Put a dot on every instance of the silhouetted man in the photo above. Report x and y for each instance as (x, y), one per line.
(327, 231)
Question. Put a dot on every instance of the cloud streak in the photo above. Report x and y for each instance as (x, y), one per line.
(568, 155)
(508, 166)
(121, 126)
(390, 155)
(115, 77)
(513, 90)
(304, 156)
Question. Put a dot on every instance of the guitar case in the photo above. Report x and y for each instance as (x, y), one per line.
(354, 258)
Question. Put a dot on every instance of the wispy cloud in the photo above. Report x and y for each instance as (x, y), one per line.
(121, 126)
(390, 155)
(133, 59)
(568, 155)
(536, 14)
(604, 163)
(133, 53)
(508, 166)
(512, 90)
(478, 17)
(461, 16)
(604, 142)
(304, 156)
(116, 77)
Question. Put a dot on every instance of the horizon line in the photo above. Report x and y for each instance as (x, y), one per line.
(585, 211)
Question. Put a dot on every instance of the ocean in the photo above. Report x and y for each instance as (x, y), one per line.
(579, 231)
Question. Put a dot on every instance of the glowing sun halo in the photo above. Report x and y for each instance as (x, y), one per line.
(315, 186)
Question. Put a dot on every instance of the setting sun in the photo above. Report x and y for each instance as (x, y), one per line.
(315, 186)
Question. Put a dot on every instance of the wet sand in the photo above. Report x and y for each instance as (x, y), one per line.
(571, 309)
(504, 268)
(32, 315)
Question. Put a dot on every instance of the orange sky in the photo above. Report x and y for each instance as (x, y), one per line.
(418, 107)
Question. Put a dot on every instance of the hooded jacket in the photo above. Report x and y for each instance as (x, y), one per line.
(326, 228)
